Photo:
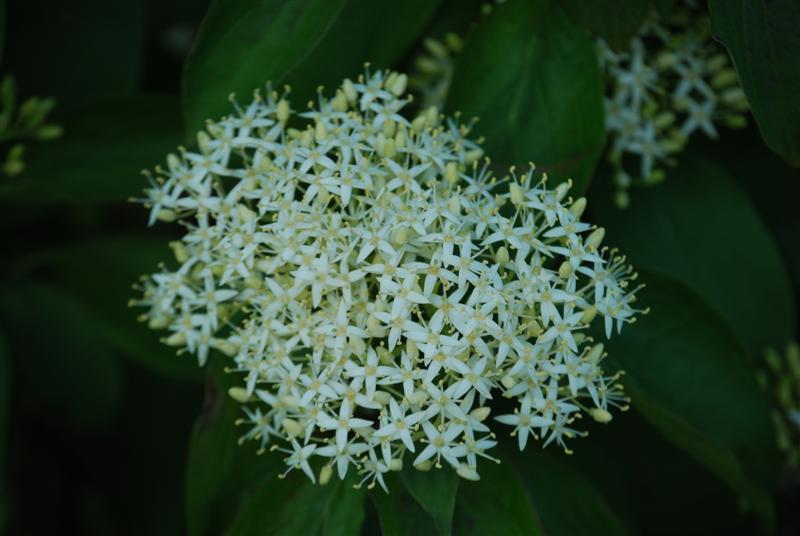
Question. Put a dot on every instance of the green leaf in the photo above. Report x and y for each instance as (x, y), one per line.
(533, 78)
(497, 504)
(762, 38)
(306, 43)
(616, 21)
(435, 491)
(398, 513)
(62, 364)
(566, 502)
(296, 506)
(700, 229)
(101, 155)
(99, 273)
(221, 475)
(244, 43)
(690, 379)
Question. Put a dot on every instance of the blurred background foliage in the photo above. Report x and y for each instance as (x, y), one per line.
(104, 430)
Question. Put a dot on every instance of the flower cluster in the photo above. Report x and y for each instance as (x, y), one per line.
(433, 70)
(375, 286)
(781, 377)
(672, 81)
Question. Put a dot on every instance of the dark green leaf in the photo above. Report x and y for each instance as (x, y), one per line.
(497, 504)
(306, 43)
(616, 21)
(62, 362)
(221, 474)
(532, 76)
(565, 501)
(398, 513)
(762, 38)
(244, 43)
(101, 155)
(100, 273)
(700, 229)
(295, 506)
(691, 380)
(435, 491)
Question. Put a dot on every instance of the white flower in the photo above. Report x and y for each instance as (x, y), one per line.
(369, 292)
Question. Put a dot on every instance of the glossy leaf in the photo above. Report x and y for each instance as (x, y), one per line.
(762, 38)
(398, 513)
(435, 491)
(306, 43)
(700, 229)
(532, 77)
(566, 502)
(221, 475)
(295, 506)
(687, 375)
(102, 154)
(616, 21)
(497, 504)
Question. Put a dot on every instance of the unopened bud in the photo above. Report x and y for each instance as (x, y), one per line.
(588, 315)
(595, 238)
(508, 381)
(501, 257)
(239, 394)
(451, 172)
(349, 91)
(396, 464)
(578, 207)
(325, 475)
(480, 414)
(292, 427)
(283, 110)
(600, 415)
(517, 197)
(565, 270)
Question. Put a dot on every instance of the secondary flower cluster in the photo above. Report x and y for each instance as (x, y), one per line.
(781, 377)
(672, 81)
(375, 286)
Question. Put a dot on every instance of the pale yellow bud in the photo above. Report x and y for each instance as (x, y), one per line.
(588, 315)
(595, 238)
(292, 427)
(595, 353)
(418, 124)
(600, 415)
(244, 213)
(398, 85)
(565, 270)
(389, 128)
(320, 131)
(283, 110)
(473, 155)
(508, 381)
(339, 102)
(454, 204)
(176, 339)
(382, 397)
(307, 138)
(173, 163)
(396, 464)
(480, 414)
(467, 472)
(451, 172)
(431, 116)
(400, 236)
(517, 197)
(166, 215)
(349, 91)
(578, 207)
(424, 466)
(400, 138)
(501, 257)
(203, 140)
(325, 475)
(180, 251)
(239, 394)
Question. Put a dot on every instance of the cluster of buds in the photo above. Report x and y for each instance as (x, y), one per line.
(376, 288)
(28, 122)
(781, 377)
(672, 81)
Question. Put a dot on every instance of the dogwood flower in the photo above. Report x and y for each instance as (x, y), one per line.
(373, 287)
